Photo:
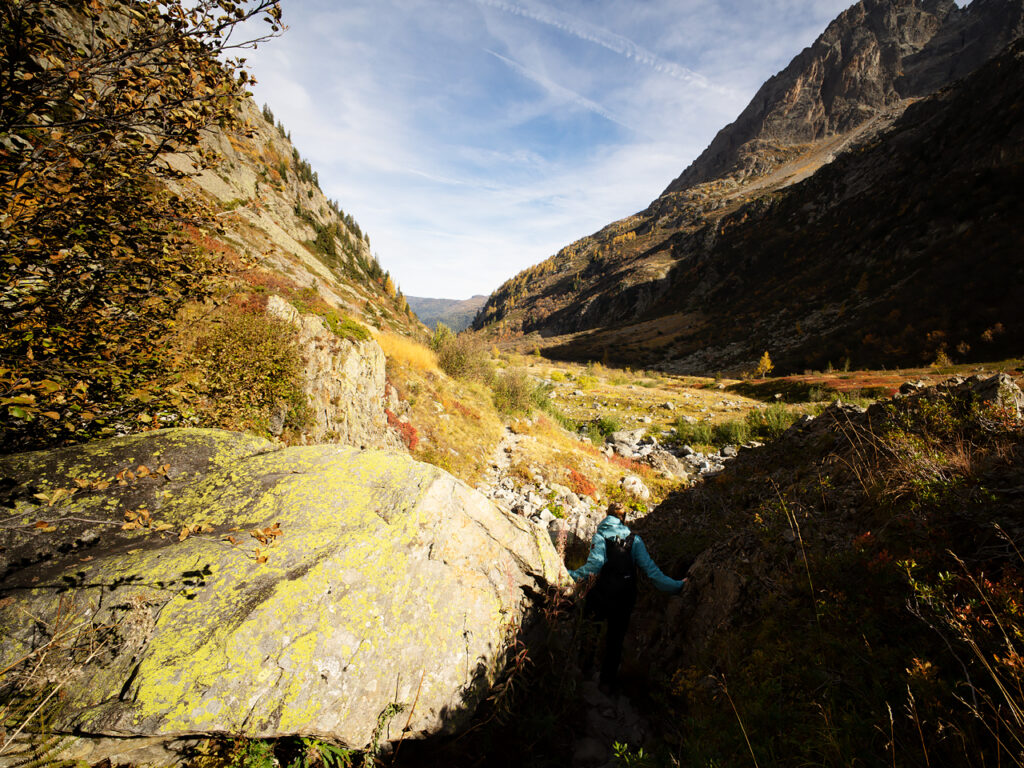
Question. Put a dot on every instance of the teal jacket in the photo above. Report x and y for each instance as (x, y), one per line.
(613, 528)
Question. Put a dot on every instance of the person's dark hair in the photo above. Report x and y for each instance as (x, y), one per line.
(618, 510)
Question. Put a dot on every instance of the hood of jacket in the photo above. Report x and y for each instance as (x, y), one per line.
(613, 528)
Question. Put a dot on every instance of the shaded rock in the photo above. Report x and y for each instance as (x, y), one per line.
(999, 390)
(666, 463)
(368, 579)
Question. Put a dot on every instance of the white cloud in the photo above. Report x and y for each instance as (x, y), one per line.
(473, 138)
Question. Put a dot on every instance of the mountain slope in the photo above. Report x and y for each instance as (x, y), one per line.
(456, 314)
(156, 226)
(898, 252)
(872, 57)
(633, 270)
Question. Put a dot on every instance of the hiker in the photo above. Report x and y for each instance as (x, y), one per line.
(615, 553)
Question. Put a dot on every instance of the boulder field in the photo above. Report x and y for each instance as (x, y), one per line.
(179, 583)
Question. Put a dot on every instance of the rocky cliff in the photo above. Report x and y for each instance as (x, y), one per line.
(630, 292)
(872, 58)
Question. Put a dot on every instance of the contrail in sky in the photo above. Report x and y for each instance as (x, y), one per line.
(561, 90)
(613, 42)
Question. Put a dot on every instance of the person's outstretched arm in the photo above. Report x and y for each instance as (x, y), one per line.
(595, 560)
(644, 561)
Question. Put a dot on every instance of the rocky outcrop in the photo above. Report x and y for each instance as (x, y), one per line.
(871, 58)
(344, 381)
(729, 581)
(214, 583)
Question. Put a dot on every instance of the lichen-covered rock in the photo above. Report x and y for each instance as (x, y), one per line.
(220, 584)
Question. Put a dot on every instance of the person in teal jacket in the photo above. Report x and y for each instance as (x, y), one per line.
(615, 554)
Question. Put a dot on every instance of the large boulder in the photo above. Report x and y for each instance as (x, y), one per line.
(219, 584)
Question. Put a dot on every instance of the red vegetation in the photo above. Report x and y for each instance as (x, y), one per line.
(465, 411)
(632, 466)
(273, 282)
(407, 431)
(580, 485)
(249, 303)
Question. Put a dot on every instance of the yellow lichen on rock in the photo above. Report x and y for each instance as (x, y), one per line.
(284, 591)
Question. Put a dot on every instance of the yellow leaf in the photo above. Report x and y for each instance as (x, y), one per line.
(129, 526)
(184, 534)
(163, 527)
(52, 415)
(142, 471)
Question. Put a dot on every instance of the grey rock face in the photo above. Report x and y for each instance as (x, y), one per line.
(870, 58)
(344, 381)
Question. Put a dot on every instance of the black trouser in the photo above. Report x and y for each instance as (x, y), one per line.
(613, 607)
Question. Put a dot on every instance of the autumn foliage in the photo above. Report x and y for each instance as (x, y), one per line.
(95, 250)
(408, 433)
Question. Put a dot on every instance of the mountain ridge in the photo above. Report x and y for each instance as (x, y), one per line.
(457, 314)
(616, 276)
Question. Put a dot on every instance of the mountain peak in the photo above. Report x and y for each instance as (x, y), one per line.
(871, 58)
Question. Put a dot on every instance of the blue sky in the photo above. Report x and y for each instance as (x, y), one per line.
(473, 138)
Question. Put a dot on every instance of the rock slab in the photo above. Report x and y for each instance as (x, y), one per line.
(269, 592)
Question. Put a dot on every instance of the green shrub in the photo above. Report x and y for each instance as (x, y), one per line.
(345, 327)
(587, 382)
(513, 392)
(771, 422)
(693, 434)
(463, 356)
(733, 432)
(599, 429)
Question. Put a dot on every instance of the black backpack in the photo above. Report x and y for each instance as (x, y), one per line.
(618, 574)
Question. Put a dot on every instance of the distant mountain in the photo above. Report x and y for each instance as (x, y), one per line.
(830, 197)
(456, 314)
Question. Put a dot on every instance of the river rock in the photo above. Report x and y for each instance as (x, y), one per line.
(229, 586)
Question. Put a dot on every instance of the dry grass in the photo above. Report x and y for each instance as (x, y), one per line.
(457, 425)
(406, 351)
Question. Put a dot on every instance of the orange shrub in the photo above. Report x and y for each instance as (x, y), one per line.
(580, 485)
